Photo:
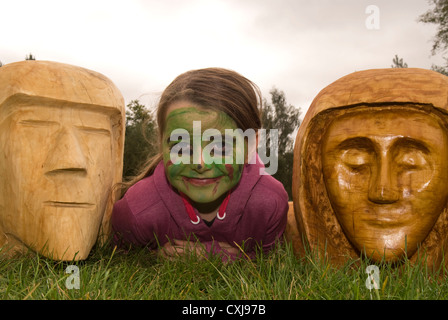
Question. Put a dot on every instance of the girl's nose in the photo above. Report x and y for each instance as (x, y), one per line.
(201, 167)
(199, 164)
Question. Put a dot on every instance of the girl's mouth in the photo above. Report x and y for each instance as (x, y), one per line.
(199, 182)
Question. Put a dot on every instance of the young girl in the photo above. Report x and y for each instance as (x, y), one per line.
(208, 206)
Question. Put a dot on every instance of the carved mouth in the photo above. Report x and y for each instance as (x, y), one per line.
(390, 216)
(67, 204)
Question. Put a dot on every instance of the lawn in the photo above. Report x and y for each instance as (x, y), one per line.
(139, 274)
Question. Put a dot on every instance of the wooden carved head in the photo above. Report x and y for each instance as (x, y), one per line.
(61, 152)
(371, 167)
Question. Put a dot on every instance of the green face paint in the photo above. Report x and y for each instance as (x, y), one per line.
(196, 163)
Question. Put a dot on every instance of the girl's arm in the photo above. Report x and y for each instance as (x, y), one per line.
(126, 228)
(176, 248)
(276, 225)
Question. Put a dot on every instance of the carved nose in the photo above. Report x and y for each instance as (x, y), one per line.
(383, 195)
(382, 188)
(66, 155)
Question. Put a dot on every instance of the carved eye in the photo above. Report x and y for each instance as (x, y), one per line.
(411, 154)
(94, 130)
(411, 160)
(356, 159)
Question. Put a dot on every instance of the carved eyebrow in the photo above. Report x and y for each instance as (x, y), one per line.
(412, 143)
(37, 122)
(356, 143)
(94, 129)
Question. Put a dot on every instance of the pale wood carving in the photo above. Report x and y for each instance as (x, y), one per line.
(371, 167)
(62, 137)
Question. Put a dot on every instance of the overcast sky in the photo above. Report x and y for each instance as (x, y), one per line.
(298, 46)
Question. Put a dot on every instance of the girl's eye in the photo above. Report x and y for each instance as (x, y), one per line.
(220, 147)
(181, 149)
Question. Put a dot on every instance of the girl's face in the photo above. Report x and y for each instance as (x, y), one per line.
(195, 164)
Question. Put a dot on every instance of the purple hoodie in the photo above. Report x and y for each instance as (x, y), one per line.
(151, 213)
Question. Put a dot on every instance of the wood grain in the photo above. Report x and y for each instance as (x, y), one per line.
(62, 138)
(386, 99)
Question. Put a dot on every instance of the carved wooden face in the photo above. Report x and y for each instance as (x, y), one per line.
(57, 169)
(386, 175)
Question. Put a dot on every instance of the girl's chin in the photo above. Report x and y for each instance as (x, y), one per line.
(202, 198)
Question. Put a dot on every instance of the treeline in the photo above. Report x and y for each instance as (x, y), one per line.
(141, 128)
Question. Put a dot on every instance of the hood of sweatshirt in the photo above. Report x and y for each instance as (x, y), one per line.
(239, 196)
(370, 89)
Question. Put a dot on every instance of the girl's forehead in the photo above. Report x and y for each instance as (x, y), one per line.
(189, 111)
(185, 116)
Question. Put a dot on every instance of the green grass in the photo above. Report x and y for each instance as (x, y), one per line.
(140, 274)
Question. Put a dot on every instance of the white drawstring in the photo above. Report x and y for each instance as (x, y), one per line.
(221, 217)
(192, 214)
(197, 220)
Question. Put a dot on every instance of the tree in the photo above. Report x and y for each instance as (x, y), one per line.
(30, 57)
(440, 69)
(140, 138)
(438, 15)
(278, 114)
(398, 63)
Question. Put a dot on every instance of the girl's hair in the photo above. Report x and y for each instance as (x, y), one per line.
(214, 88)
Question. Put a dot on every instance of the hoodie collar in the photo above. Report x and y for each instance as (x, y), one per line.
(239, 195)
